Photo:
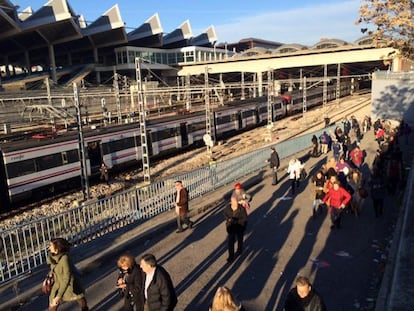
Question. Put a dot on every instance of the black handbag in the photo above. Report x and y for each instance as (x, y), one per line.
(47, 284)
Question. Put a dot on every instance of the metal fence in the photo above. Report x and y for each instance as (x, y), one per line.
(25, 247)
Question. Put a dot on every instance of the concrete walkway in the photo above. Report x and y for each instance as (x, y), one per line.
(103, 252)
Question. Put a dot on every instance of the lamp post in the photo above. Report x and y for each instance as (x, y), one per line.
(81, 142)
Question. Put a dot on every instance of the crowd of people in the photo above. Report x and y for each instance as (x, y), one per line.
(343, 183)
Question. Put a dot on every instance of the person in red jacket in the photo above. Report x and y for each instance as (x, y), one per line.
(357, 157)
(338, 198)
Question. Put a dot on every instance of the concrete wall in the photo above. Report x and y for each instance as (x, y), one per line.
(393, 96)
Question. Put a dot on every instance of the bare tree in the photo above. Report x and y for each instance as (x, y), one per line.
(394, 23)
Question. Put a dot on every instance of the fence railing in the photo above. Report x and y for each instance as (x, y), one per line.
(24, 247)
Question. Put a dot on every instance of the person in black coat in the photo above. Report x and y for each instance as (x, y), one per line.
(303, 297)
(130, 283)
(236, 221)
(274, 164)
(158, 289)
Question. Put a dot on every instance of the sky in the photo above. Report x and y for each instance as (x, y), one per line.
(286, 21)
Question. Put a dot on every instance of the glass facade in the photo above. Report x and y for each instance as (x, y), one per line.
(193, 54)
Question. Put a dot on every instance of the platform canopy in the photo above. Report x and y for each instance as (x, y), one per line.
(207, 38)
(149, 34)
(55, 22)
(179, 37)
(107, 30)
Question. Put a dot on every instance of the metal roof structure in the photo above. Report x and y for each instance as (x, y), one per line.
(54, 36)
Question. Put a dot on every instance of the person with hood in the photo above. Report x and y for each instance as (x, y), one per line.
(303, 297)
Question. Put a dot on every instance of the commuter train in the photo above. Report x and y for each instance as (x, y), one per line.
(37, 168)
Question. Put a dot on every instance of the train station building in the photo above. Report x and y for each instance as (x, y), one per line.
(57, 42)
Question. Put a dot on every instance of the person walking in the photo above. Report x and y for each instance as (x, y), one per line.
(104, 173)
(319, 182)
(315, 147)
(336, 149)
(338, 199)
(356, 183)
(130, 283)
(181, 207)
(67, 286)
(294, 170)
(303, 297)
(274, 163)
(236, 221)
(224, 301)
(324, 141)
(159, 290)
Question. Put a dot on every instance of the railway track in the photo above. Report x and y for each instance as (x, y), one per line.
(135, 177)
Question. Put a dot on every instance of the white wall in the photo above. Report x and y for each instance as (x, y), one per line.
(393, 96)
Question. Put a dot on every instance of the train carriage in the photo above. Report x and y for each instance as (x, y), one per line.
(40, 167)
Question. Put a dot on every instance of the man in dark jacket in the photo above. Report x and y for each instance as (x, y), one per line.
(236, 221)
(274, 164)
(303, 297)
(159, 289)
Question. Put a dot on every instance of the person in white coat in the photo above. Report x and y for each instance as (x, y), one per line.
(294, 169)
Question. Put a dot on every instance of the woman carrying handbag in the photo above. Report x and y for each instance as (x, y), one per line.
(66, 285)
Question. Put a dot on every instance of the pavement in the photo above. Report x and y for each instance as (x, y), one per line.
(396, 288)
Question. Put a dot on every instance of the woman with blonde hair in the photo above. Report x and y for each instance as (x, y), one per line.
(131, 281)
(224, 301)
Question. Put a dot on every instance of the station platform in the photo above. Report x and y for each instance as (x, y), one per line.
(353, 258)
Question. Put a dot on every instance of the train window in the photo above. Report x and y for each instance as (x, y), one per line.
(197, 126)
(247, 113)
(48, 161)
(21, 168)
(234, 117)
(122, 144)
(263, 109)
(278, 105)
(64, 157)
(164, 134)
(224, 119)
(72, 156)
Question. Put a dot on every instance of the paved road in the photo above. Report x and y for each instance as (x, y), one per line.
(282, 241)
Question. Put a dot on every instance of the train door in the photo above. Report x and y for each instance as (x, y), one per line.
(95, 156)
(239, 116)
(149, 142)
(256, 112)
(4, 193)
(184, 134)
